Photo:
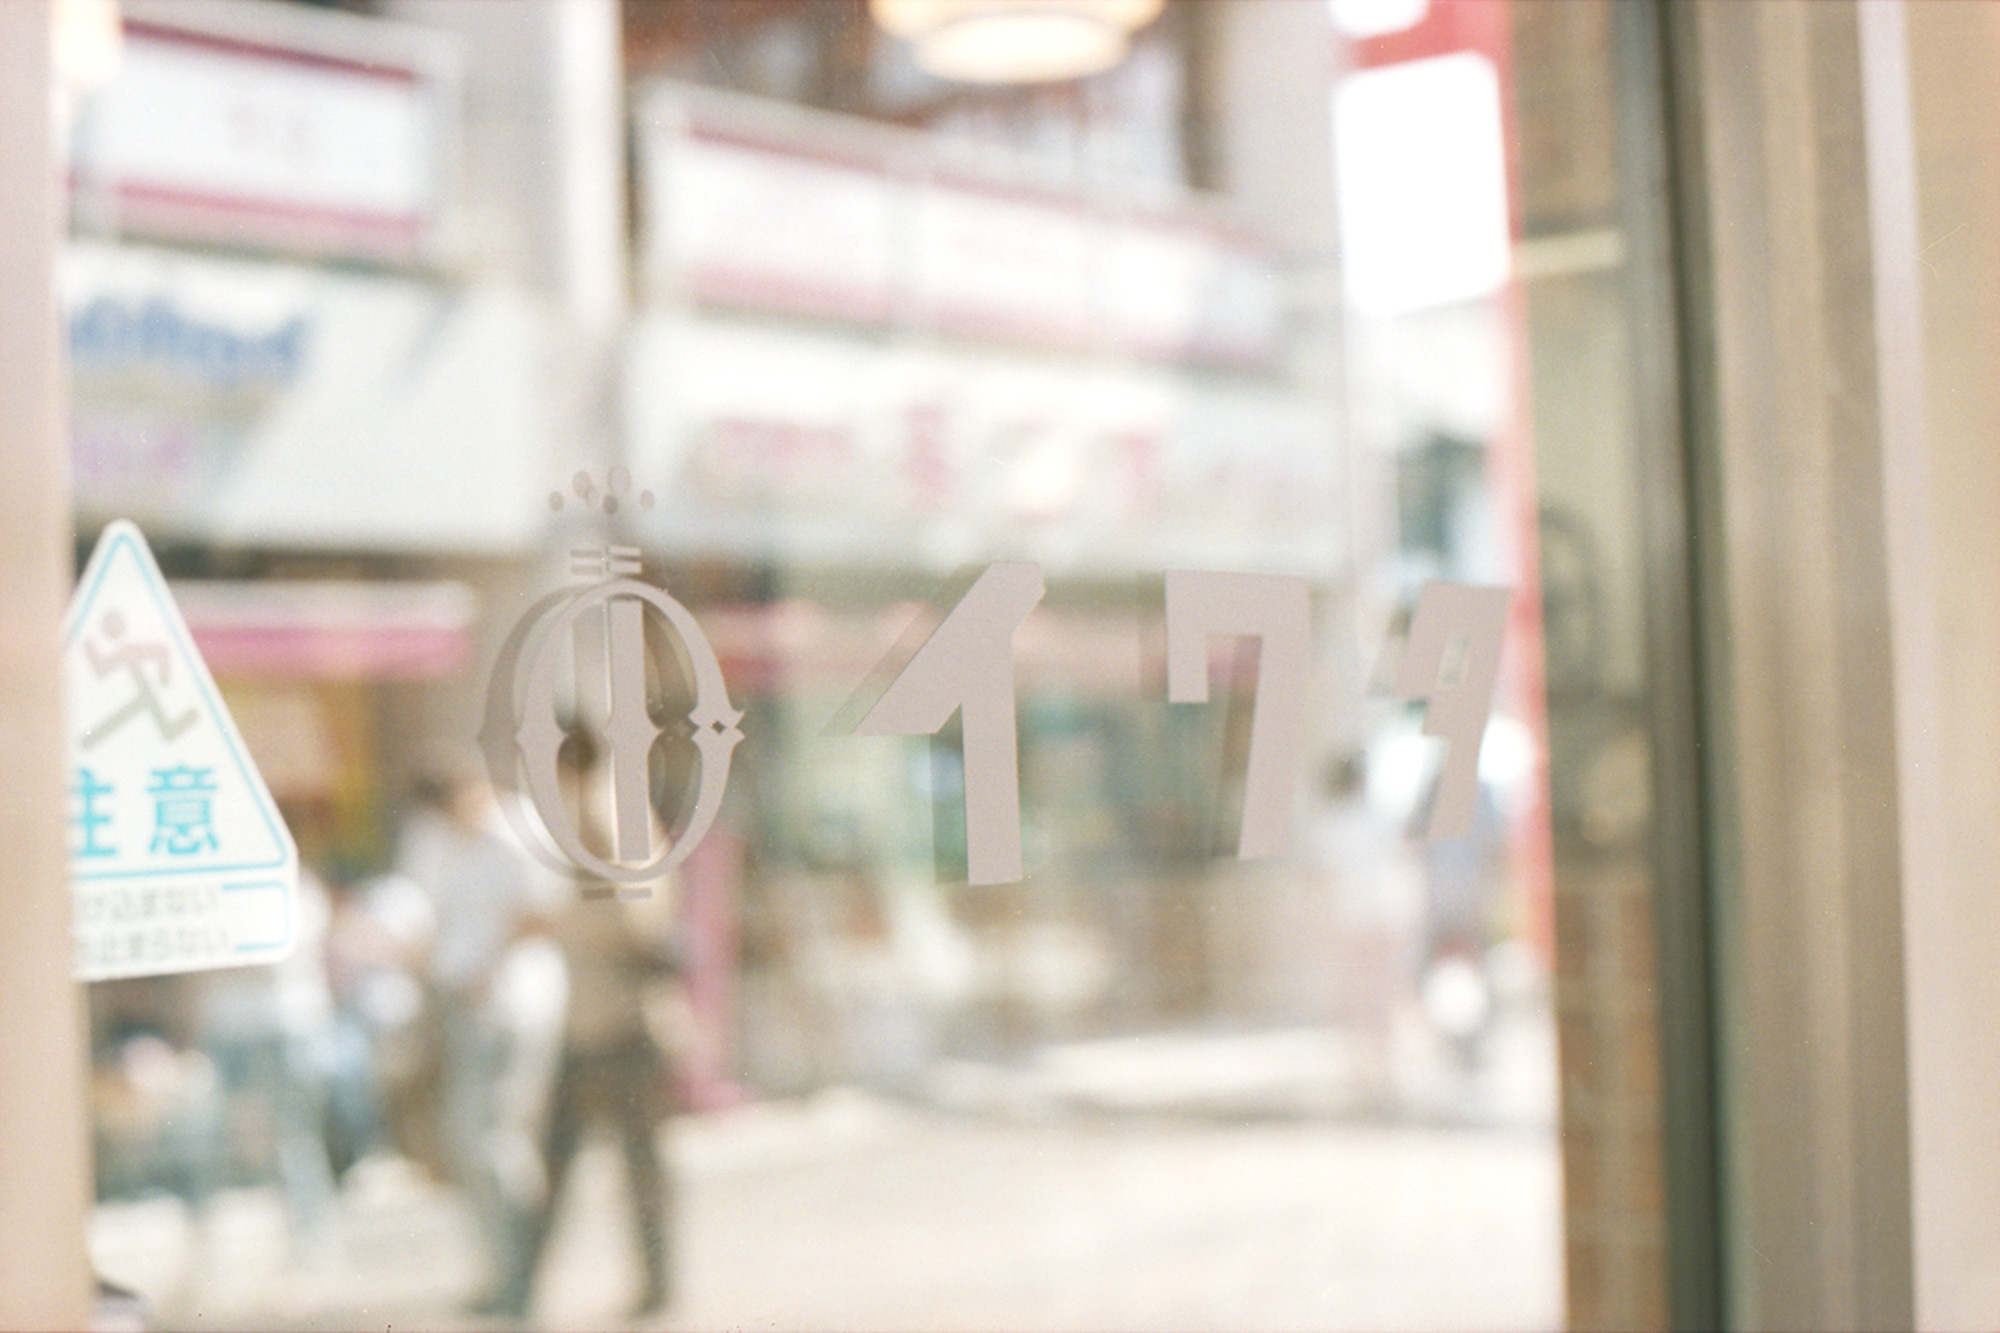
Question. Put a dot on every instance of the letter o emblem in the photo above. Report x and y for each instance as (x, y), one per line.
(524, 733)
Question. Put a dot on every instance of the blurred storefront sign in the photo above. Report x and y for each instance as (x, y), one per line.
(889, 453)
(258, 401)
(921, 400)
(1001, 264)
(743, 223)
(330, 629)
(225, 123)
(748, 208)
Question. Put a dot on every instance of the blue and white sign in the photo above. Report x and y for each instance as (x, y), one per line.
(178, 858)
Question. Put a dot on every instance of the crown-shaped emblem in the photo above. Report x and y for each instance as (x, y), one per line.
(617, 486)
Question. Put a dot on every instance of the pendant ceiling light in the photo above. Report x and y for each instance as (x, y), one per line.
(88, 38)
(1015, 41)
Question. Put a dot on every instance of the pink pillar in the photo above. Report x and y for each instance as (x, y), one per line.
(44, 1117)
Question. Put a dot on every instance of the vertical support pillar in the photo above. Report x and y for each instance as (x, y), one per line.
(1934, 187)
(1793, 420)
(44, 1162)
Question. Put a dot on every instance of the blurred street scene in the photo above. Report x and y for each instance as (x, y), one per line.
(1016, 664)
(1198, 1183)
(565, 427)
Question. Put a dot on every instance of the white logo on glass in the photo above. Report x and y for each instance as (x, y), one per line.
(598, 632)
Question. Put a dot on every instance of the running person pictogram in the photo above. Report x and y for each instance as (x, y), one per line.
(108, 655)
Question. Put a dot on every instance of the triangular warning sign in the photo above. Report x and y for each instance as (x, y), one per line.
(178, 859)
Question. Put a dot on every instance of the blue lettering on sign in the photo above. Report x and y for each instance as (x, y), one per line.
(89, 820)
(113, 334)
(183, 822)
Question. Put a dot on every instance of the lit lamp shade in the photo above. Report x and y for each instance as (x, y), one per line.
(88, 39)
(1015, 41)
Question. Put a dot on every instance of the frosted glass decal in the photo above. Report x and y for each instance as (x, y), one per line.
(1271, 607)
(967, 667)
(1451, 661)
(602, 624)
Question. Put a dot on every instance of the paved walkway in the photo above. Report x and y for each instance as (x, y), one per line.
(851, 1211)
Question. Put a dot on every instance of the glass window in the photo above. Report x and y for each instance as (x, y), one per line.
(932, 663)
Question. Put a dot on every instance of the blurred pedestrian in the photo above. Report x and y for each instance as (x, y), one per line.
(371, 968)
(620, 949)
(459, 852)
(1378, 890)
(269, 1031)
(1465, 879)
(376, 945)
